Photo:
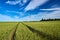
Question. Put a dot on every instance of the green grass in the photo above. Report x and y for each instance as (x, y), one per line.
(24, 33)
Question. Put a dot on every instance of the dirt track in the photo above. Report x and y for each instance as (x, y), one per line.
(41, 34)
(13, 33)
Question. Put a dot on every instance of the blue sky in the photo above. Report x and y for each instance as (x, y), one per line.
(29, 10)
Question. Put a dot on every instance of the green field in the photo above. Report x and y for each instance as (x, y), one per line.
(44, 30)
(5, 29)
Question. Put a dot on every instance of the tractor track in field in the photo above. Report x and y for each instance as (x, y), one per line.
(42, 34)
(13, 33)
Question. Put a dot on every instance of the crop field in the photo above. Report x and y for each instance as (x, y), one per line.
(5, 29)
(44, 30)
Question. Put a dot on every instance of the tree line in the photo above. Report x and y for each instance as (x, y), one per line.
(50, 19)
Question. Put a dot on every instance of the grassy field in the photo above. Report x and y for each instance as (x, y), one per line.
(5, 29)
(47, 27)
(23, 33)
(45, 30)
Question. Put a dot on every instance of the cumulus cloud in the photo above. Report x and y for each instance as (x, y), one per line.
(34, 3)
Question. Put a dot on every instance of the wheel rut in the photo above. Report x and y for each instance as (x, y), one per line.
(13, 33)
(42, 34)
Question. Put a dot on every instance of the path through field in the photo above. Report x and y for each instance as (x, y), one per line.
(30, 31)
(42, 34)
(38, 33)
(13, 33)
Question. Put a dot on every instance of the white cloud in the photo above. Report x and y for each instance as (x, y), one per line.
(24, 1)
(8, 18)
(5, 18)
(16, 2)
(34, 3)
(12, 2)
(51, 9)
(45, 15)
(16, 18)
(36, 17)
(52, 15)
